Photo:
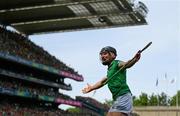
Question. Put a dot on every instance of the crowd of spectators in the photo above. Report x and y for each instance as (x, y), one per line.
(19, 45)
(31, 77)
(33, 90)
(16, 109)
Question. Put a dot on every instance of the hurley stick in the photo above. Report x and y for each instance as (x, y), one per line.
(126, 64)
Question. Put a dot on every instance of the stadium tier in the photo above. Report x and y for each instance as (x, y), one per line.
(44, 16)
(42, 68)
(13, 44)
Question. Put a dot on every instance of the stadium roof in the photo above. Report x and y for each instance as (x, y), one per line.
(44, 16)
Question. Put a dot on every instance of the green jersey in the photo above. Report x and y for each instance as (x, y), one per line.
(117, 85)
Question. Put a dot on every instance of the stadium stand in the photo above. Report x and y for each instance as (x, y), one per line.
(29, 87)
(26, 77)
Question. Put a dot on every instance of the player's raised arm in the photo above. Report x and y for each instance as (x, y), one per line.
(130, 63)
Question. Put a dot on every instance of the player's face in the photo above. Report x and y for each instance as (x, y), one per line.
(106, 58)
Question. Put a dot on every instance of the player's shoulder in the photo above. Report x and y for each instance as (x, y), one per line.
(118, 61)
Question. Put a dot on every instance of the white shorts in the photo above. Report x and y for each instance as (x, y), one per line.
(123, 103)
